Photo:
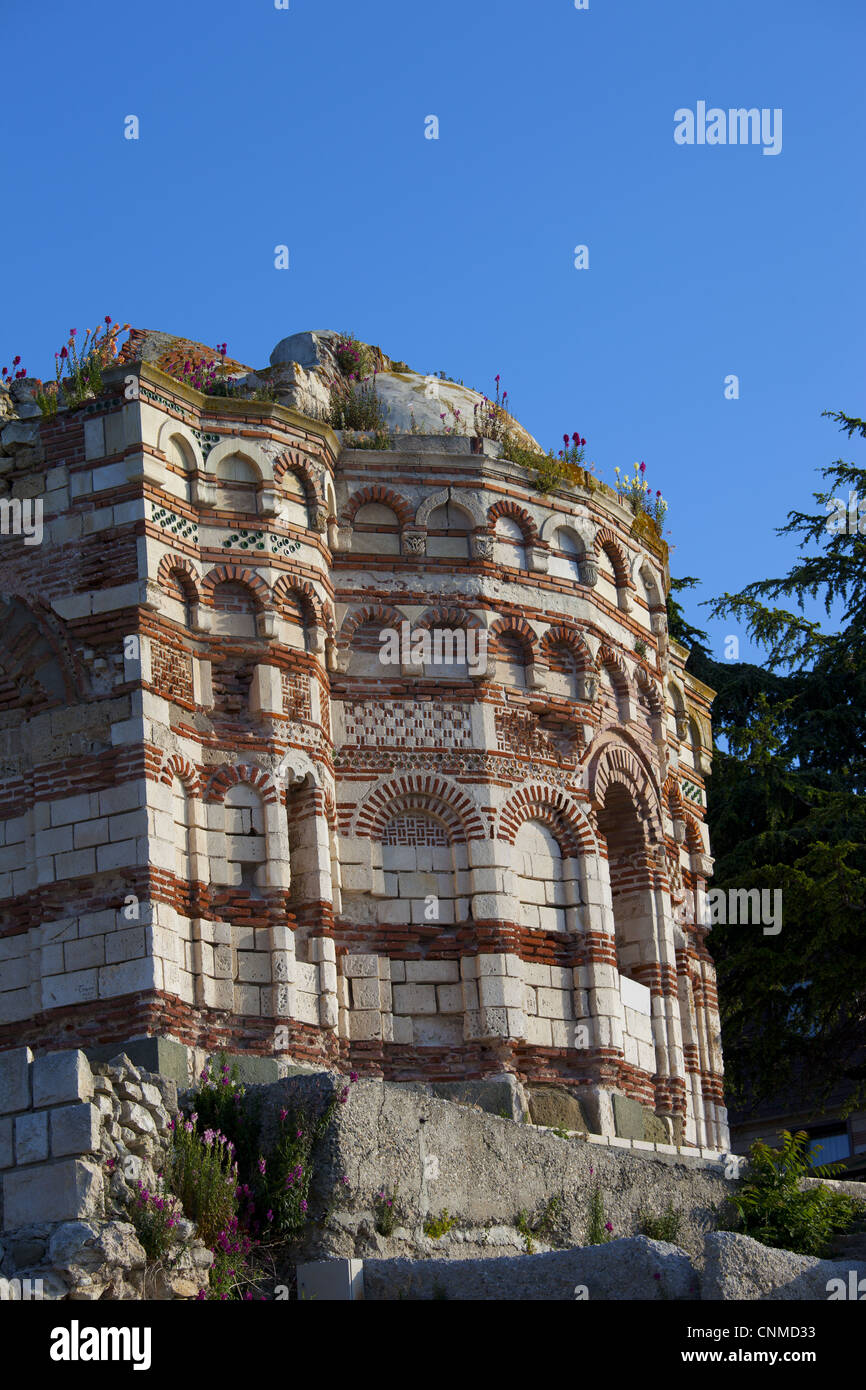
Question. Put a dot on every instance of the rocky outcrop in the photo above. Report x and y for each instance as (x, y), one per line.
(737, 1267)
(79, 1140)
(635, 1268)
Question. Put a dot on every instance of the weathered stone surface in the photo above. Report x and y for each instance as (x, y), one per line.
(61, 1076)
(7, 1156)
(75, 1129)
(23, 438)
(484, 1169)
(27, 1251)
(15, 1080)
(60, 1191)
(31, 1137)
(636, 1121)
(137, 1117)
(737, 1267)
(497, 1095)
(125, 1069)
(556, 1108)
(634, 1268)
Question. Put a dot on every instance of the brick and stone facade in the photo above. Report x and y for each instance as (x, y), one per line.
(224, 821)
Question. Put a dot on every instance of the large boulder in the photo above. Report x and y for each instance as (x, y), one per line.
(633, 1268)
(738, 1267)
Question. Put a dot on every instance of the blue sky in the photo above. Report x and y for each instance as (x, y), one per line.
(305, 127)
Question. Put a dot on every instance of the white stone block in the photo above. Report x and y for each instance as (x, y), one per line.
(500, 991)
(414, 999)
(75, 1129)
(331, 1281)
(538, 1031)
(365, 994)
(432, 971)
(61, 1077)
(635, 995)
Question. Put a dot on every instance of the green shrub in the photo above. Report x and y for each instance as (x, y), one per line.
(278, 1190)
(220, 1102)
(598, 1230)
(438, 1226)
(201, 1171)
(385, 1210)
(355, 405)
(154, 1216)
(773, 1207)
(666, 1226)
(353, 356)
(543, 1225)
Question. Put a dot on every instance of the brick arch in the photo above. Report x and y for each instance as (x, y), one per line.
(372, 613)
(238, 574)
(174, 765)
(606, 541)
(673, 796)
(505, 507)
(170, 564)
(615, 664)
(648, 687)
(422, 792)
(175, 429)
(555, 809)
(289, 584)
(290, 461)
(448, 617)
(25, 644)
(643, 569)
(512, 625)
(613, 762)
(229, 776)
(569, 637)
(385, 497)
(461, 498)
(694, 843)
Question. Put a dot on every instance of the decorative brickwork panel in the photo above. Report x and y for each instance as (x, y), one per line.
(414, 830)
(296, 695)
(404, 724)
(517, 731)
(172, 672)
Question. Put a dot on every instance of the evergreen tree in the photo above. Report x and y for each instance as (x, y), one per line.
(786, 805)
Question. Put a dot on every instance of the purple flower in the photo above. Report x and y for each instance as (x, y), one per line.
(261, 1165)
(608, 1226)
